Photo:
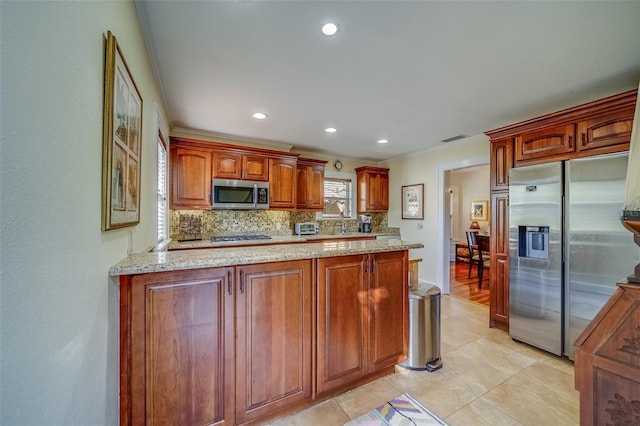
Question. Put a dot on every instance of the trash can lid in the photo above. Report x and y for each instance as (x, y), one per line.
(424, 291)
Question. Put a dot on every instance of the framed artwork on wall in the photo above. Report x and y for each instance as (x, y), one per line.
(413, 201)
(479, 210)
(121, 141)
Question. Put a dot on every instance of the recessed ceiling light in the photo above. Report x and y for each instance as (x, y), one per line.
(383, 141)
(259, 115)
(330, 130)
(329, 29)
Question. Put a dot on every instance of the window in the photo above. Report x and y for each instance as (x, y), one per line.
(162, 189)
(337, 197)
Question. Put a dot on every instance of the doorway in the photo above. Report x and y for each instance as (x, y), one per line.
(443, 255)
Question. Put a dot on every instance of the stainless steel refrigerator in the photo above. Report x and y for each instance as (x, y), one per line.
(568, 248)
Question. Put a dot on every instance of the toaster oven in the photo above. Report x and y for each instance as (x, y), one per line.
(306, 228)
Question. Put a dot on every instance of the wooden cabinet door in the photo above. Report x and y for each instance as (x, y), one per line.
(342, 337)
(373, 189)
(178, 355)
(315, 186)
(499, 263)
(227, 165)
(255, 167)
(273, 337)
(543, 144)
(190, 178)
(606, 133)
(388, 309)
(501, 163)
(282, 183)
(310, 187)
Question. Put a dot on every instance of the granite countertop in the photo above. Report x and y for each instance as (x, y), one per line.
(283, 239)
(161, 261)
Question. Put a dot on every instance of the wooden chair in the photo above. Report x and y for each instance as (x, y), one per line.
(481, 259)
(471, 243)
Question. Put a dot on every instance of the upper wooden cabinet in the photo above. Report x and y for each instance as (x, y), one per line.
(373, 189)
(282, 182)
(235, 165)
(606, 131)
(195, 163)
(598, 127)
(501, 162)
(546, 142)
(310, 184)
(190, 178)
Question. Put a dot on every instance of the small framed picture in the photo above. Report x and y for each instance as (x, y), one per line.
(479, 210)
(413, 201)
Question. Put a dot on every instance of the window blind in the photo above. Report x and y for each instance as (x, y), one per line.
(162, 190)
(337, 197)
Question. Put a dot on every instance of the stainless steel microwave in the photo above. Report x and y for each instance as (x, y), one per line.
(235, 194)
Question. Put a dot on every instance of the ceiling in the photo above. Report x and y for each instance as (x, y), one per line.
(411, 72)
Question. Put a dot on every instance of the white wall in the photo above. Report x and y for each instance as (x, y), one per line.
(59, 308)
(425, 168)
(473, 185)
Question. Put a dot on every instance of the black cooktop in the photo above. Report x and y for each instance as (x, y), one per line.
(240, 237)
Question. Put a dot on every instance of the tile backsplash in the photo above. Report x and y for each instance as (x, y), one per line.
(225, 222)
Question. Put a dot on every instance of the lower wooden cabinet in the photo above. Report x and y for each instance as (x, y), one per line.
(361, 327)
(273, 344)
(499, 267)
(176, 348)
(236, 345)
(189, 338)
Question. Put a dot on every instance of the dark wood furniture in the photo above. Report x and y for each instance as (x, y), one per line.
(473, 249)
(607, 362)
(373, 189)
(599, 127)
(482, 256)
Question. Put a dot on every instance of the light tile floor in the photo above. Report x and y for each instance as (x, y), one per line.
(486, 379)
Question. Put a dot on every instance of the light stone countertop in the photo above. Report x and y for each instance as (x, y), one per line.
(161, 261)
(207, 243)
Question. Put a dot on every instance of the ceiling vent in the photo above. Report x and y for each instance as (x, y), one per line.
(454, 138)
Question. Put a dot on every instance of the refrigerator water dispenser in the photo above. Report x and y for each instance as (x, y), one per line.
(533, 242)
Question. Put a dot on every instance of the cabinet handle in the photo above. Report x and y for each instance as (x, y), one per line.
(373, 266)
(584, 139)
(570, 141)
(366, 266)
(229, 287)
(241, 281)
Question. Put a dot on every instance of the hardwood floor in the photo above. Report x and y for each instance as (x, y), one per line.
(466, 288)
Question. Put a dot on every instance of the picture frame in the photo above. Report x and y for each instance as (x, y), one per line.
(413, 202)
(121, 141)
(479, 210)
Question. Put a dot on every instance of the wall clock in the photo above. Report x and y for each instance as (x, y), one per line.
(337, 165)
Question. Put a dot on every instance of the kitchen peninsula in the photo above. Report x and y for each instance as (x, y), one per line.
(237, 335)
